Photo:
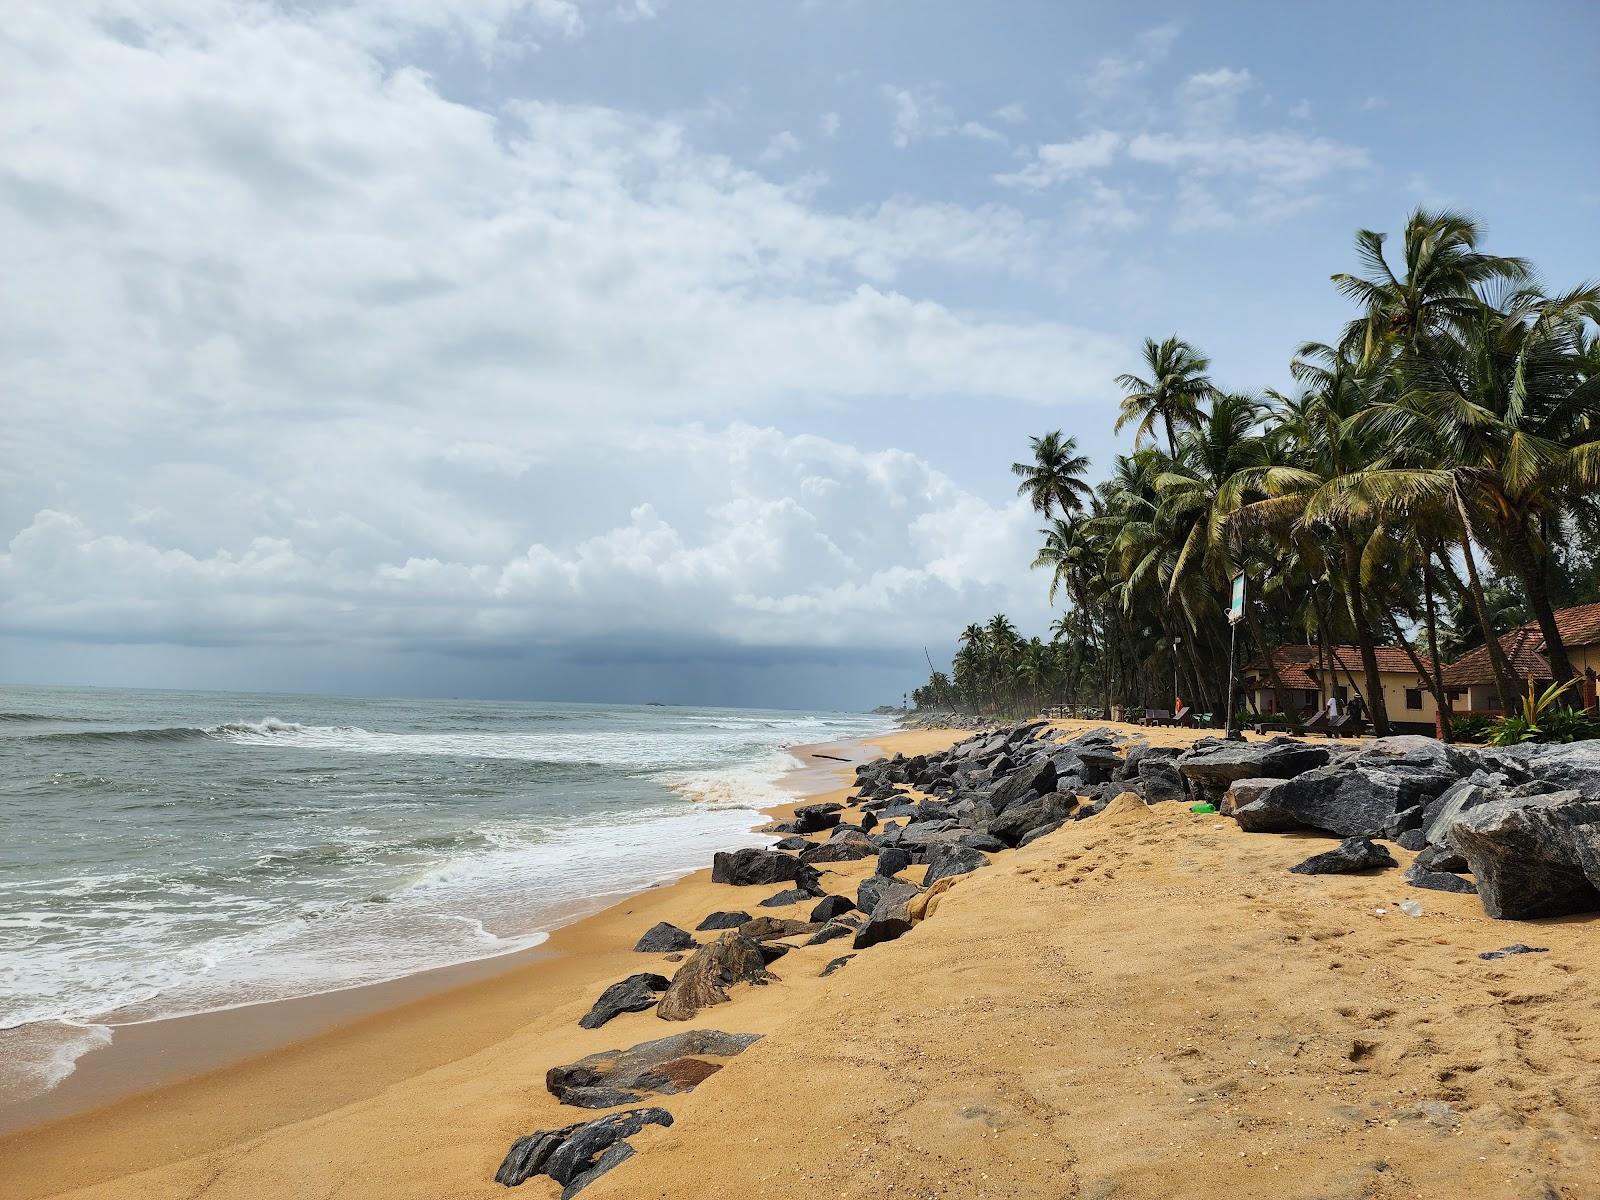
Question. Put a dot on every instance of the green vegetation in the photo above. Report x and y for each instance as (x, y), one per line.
(1433, 479)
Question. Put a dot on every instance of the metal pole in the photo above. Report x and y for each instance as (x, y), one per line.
(1233, 639)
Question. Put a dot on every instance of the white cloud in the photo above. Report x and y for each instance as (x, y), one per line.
(310, 350)
(916, 114)
(828, 124)
(1113, 73)
(980, 132)
(1211, 99)
(1280, 158)
(1011, 114)
(1054, 162)
(780, 146)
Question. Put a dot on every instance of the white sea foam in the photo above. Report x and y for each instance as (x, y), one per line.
(36, 1057)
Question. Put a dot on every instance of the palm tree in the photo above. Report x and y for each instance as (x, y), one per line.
(1170, 391)
(1054, 479)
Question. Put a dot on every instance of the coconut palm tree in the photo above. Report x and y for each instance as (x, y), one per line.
(1053, 480)
(1169, 392)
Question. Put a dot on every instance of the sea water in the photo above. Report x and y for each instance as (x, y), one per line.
(164, 853)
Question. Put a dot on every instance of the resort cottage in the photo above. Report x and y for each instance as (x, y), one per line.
(1311, 675)
(1470, 679)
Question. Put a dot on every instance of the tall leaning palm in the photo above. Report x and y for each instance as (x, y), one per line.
(1169, 392)
(1054, 479)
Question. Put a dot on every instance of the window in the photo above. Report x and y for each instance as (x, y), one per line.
(1414, 698)
(1342, 693)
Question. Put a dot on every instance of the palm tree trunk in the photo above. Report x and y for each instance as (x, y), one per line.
(1279, 694)
(1531, 570)
(1441, 698)
(1363, 631)
(1491, 640)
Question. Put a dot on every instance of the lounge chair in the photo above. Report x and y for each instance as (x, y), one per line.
(1317, 722)
(1184, 716)
(1156, 716)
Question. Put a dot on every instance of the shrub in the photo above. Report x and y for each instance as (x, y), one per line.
(1567, 725)
(1471, 727)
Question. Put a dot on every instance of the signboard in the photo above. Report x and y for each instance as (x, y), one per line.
(1236, 601)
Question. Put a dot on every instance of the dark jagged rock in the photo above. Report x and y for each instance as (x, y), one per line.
(1403, 822)
(527, 1155)
(705, 979)
(1262, 816)
(616, 1155)
(986, 843)
(786, 897)
(1513, 949)
(1159, 780)
(576, 1159)
(755, 868)
(663, 1066)
(723, 920)
(1412, 839)
(1019, 818)
(869, 822)
(633, 994)
(792, 843)
(1438, 881)
(830, 907)
(1462, 796)
(1351, 855)
(848, 846)
(835, 964)
(890, 917)
(947, 861)
(872, 889)
(813, 818)
(1033, 835)
(1441, 858)
(893, 860)
(1211, 764)
(1526, 854)
(1347, 800)
(663, 938)
(1245, 791)
(829, 932)
(1034, 780)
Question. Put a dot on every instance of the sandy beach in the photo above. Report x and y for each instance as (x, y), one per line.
(1144, 1004)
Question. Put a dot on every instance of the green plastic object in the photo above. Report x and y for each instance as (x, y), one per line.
(1202, 808)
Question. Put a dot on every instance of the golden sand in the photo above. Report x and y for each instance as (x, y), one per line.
(1146, 1004)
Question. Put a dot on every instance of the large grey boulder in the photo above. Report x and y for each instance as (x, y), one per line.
(759, 868)
(1160, 780)
(946, 861)
(664, 938)
(1035, 779)
(890, 917)
(845, 846)
(1574, 767)
(1211, 764)
(1438, 881)
(1480, 787)
(1018, 819)
(705, 978)
(1344, 799)
(892, 860)
(872, 889)
(814, 818)
(662, 1066)
(724, 920)
(1532, 856)
(1245, 791)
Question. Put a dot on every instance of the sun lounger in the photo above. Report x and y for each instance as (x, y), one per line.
(1184, 716)
(1156, 716)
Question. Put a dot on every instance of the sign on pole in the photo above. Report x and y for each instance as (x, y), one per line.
(1236, 601)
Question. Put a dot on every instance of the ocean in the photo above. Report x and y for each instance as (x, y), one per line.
(164, 853)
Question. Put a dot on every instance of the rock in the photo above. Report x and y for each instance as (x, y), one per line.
(1438, 881)
(890, 917)
(1211, 764)
(835, 964)
(1348, 800)
(1019, 818)
(830, 907)
(1033, 780)
(1574, 767)
(663, 1066)
(1440, 858)
(754, 868)
(869, 822)
(1160, 780)
(576, 1160)
(893, 860)
(985, 843)
(1245, 791)
(830, 932)
(633, 994)
(847, 847)
(1412, 839)
(785, 898)
(1514, 948)
(723, 920)
(618, 1153)
(871, 889)
(1525, 854)
(662, 937)
(1262, 816)
(1403, 821)
(527, 1155)
(764, 929)
(1033, 835)
(705, 979)
(814, 818)
(1441, 812)
(793, 843)
(945, 862)
(1351, 855)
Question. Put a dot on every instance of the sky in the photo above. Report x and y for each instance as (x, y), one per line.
(627, 350)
